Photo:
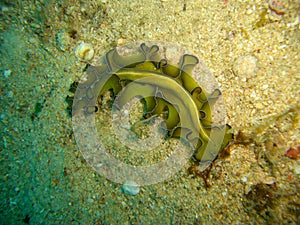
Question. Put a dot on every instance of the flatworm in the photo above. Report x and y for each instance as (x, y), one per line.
(165, 90)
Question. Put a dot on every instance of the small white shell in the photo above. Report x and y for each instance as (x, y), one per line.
(84, 52)
(131, 188)
(245, 66)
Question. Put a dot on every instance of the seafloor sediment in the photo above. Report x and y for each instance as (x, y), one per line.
(252, 48)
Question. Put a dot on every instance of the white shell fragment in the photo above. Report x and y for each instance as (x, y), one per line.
(131, 188)
(245, 66)
(84, 52)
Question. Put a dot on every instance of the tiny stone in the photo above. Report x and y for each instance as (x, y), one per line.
(297, 169)
(90, 200)
(253, 94)
(121, 41)
(131, 188)
(63, 40)
(259, 105)
(244, 179)
(6, 73)
(266, 92)
(265, 86)
(10, 94)
(245, 66)
(123, 204)
(249, 11)
(269, 180)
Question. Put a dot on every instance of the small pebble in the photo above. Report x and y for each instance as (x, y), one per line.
(244, 179)
(63, 40)
(10, 94)
(121, 41)
(245, 66)
(84, 52)
(131, 188)
(269, 180)
(264, 87)
(293, 153)
(253, 94)
(297, 169)
(6, 73)
(89, 200)
(259, 105)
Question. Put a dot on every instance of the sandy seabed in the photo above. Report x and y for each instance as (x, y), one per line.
(252, 48)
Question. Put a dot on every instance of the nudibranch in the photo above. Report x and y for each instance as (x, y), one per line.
(165, 90)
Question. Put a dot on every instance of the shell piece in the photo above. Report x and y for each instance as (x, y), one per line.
(131, 188)
(277, 6)
(84, 52)
(245, 66)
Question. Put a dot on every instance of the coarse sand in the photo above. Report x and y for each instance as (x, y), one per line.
(252, 48)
